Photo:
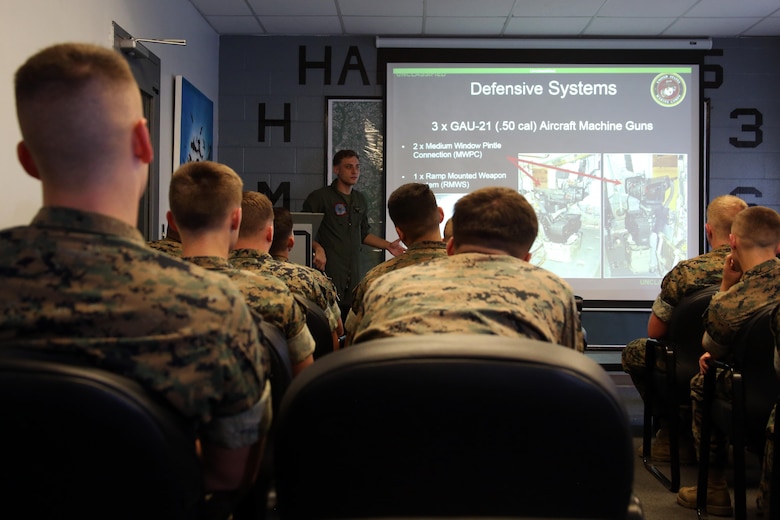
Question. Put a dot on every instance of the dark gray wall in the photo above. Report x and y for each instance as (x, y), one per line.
(748, 96)
(277, 71)
(292, 72)
(295, 72)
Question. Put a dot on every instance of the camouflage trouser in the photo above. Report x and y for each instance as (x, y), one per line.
(765, 483)
(719, 443)
(633, 361)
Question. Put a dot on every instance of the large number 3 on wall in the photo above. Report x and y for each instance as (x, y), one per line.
(755, 127)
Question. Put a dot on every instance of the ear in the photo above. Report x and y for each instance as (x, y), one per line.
(527, 256)
(401, 234)
(142, 143)
(26, 160)
(235, 219)
(450, 247)
(441, 214)
(290, 243)
(269, 233)
(708, 231)
(171, 222)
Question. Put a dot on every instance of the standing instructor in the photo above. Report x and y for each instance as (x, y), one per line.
(344, 228)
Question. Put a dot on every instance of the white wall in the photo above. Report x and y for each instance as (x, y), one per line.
(27, 26)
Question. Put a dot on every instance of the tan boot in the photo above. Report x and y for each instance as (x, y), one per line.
(659, 450)
(718, 498)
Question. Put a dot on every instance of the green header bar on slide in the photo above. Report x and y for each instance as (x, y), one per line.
(408, 71)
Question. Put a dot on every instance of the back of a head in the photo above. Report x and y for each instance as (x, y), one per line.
(202, 194)
(495, 218)
(414, 210)
(283, 230)
(76, 104)
(721, 212)
(758, 227)
(258, 213)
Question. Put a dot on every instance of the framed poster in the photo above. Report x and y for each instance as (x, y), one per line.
(193, 121)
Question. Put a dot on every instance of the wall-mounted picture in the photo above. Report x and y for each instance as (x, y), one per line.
(193, 134)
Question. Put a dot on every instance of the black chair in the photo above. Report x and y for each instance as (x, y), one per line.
(253, 506)
(85, 443)
(666, 391)
(755, 390)
(454, 425)
(774, 484)
(318, 326)
(281, 365)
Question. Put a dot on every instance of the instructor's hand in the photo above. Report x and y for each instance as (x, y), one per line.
(396, 248)
(319, 258)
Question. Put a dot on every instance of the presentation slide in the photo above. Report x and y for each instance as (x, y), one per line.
(608, 156)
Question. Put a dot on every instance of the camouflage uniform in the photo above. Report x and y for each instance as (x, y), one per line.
(305, 281)
(167, 246)
(85, 284)
(415, 254)
(269, 298)
(764, 485)
(727, 313)
(685, 278)
(471, 293)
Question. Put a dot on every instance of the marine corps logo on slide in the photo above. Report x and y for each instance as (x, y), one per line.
(668, 89)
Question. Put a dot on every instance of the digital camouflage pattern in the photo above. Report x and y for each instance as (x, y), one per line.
(471, 293)
(764, 485)
(270, 298)
(687, 277)
(415, 254)
(303, 280)
(82, 283)
(728, 312)
(684, 278)
(167, 246)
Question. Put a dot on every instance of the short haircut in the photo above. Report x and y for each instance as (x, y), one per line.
(496, 218)
(283, 229)
(414, 210)
(257, 211)
(202, 194)
(74, 102)
(721, 212)
(343, 154)
(757, 226)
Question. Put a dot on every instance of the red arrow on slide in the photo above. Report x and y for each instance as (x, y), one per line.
(517, 162)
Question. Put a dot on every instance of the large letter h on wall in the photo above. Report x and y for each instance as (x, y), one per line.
(263, 123)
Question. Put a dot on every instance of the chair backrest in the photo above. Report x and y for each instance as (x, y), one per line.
(318, 326)
(453, 425)
(754, 360)
(685, 329)
(82, 442)
(280, 373)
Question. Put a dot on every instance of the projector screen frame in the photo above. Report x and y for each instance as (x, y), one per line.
(671, 55)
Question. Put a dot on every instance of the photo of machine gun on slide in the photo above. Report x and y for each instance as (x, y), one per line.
(606, 215)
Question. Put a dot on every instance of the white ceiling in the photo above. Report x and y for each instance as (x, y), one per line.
(495, 18)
